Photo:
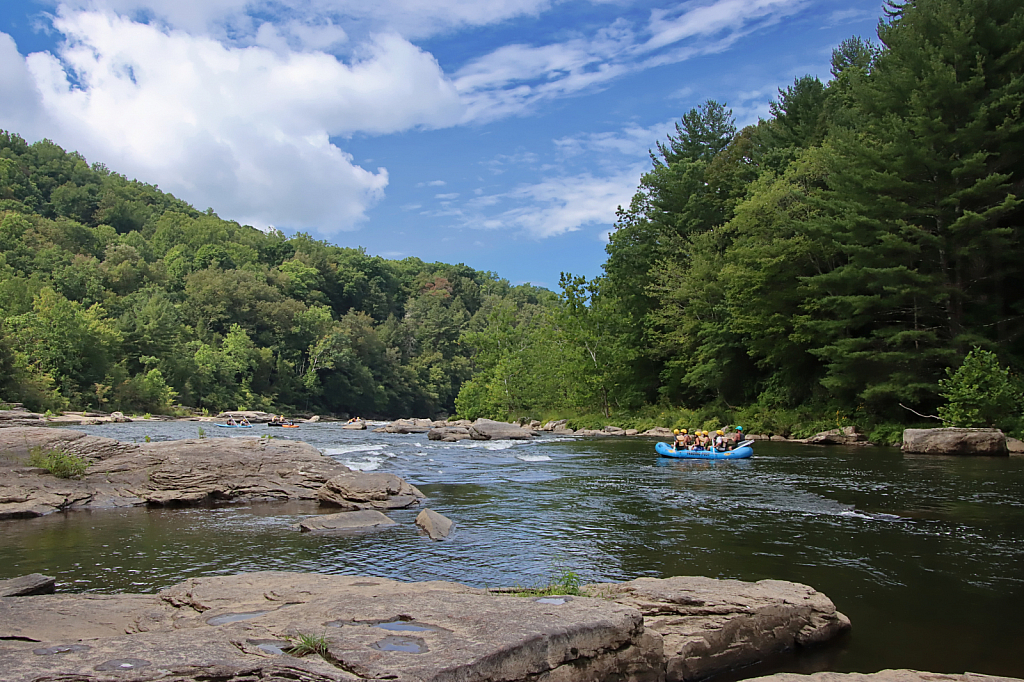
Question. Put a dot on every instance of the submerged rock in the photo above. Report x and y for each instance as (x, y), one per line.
(363, 519)
(709, 626)
(165, 473)
(954, 441)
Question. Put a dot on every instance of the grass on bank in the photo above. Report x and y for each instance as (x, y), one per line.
(564, 582)
(60, 464)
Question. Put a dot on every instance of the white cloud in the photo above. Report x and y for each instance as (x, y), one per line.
(432, 183)
(558, 205)
(449, 196)
(514, 78)
(243, 129)
(633, 140)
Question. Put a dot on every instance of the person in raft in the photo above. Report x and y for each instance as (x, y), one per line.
(680, 439)
(231, 421)
(719, 440)
(737, 437)
(244, 422)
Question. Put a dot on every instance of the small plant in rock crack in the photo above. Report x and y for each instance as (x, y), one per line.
(302, 644)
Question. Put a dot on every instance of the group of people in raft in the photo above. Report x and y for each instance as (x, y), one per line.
(717, 441)
(242, 422)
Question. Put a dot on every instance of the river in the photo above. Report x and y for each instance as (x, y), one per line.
(924, 554)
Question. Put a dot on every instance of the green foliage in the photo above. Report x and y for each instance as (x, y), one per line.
(303, 645)
(980, 393)
(60, 464)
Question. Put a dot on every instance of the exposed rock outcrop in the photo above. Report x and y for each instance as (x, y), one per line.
(354, 490)
(711, 625)
(254, 416)
(953, 441)
(409, 426)
(436, 526)
(1014, 446)
(22, 586)
(234, 628)
(361, 520)
(165, 473)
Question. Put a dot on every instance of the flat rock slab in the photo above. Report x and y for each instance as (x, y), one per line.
(709, 626)
(362, 520)
(353, 490)
(34, 583)
(953, 441)
(487, 429)
(883, 676)
(165, 473)
(235, 628)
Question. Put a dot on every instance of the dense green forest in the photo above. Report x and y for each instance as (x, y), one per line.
(822, 267)
(832, 264)
(115, 295)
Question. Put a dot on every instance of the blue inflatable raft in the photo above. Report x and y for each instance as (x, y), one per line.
(742, 452)
(234, 426)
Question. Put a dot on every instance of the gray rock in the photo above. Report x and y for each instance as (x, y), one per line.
(883, 676)
(710, 625)
(22, 586)
(409, 426)
(254, 416)
(230, 628)
(1014, 446)
(848, 435)
(354, 490)
(487, 429)
(165, 473)
(632, 432)
(658, 432)
(363, 519)
(449, 434)
(436, 526)
(553, 425)
(953, 441)
(563, 431)
(314, 419)
(614, 430)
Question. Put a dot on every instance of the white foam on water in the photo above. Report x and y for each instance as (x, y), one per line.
(348, 449)
(368, 464)
(533, 458)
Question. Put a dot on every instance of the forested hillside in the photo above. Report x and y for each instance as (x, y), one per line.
(830, 264)
(832, 260)
(115, 295)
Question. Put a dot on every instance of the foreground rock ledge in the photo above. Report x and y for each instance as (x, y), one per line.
(883, 676)
(233, 628)
(185, 472)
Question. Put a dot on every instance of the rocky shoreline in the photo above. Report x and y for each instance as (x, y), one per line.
(239, 627)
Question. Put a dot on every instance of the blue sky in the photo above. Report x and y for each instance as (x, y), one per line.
(498, 134)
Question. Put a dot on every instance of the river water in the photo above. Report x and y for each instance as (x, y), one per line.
(924, 554)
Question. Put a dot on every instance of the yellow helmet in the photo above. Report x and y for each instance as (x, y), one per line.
(684, 430)
(720, 432)
(675, 431)
(705, 433)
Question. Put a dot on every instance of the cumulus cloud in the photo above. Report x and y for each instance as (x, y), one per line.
(633, 140)
(244, 129)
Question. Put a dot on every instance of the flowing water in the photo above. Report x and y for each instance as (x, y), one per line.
(924, 554)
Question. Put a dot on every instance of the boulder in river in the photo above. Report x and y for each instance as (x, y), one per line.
(254, 416)
(361, 520)
(488, 429)
(436, 526)
(238, 627)
(409, 426)
(164, 473)
(354, 490)
(449, 434)
(709, 625)
(848, 435)
(955, 441)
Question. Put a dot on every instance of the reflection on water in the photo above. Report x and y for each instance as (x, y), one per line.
(926, 555)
